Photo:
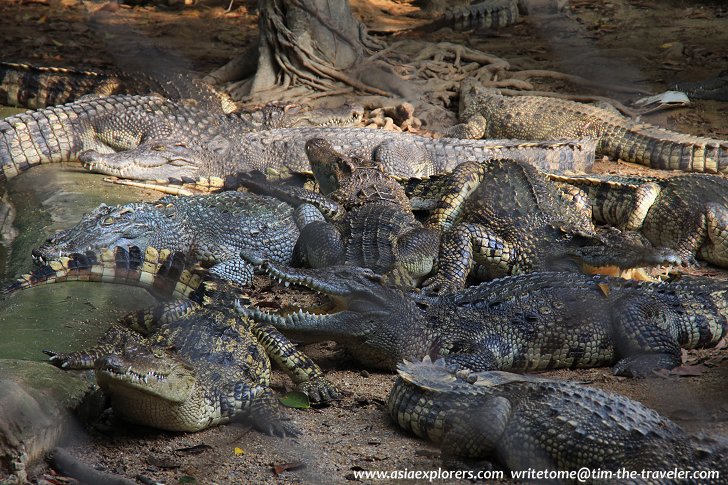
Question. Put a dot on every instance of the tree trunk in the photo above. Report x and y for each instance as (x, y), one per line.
(304, 46)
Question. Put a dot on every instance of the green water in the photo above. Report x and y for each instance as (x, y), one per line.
(67, 316)
(60, 317)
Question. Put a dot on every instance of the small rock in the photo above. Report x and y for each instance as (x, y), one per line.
(364, 373)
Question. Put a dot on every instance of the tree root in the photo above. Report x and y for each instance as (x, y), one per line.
(66, 464)
(295, 62)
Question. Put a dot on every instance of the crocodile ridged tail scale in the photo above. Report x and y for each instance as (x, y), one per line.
(162, 272)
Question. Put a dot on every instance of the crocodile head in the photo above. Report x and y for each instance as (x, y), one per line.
(151, 386)
(161, 160)
(134, 224)
(350, 180)
(151, 371)
(367, 316)
(295, 116)
(329, 167)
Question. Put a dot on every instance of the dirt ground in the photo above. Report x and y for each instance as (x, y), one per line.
(648, 43)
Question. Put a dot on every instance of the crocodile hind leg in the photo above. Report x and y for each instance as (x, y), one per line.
(642, 339)
(145, 321)
(308, 377)
(474, 435)
(466, 245)
(117, 336)
(715, 247)
(129, 328)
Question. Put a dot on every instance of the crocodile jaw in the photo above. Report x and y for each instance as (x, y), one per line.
(167, 380)
(169, 398)
(143, 163)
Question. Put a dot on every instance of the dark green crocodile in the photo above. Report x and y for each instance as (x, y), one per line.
(370, 222)
(208, 229)
(280, 152)
(105, 125)
(686, 213)
(527, 322)
(504, 217)
(189, 363)
(712, 88)
(486, 113)
(40, 87)
(184, 367)
(523, 422)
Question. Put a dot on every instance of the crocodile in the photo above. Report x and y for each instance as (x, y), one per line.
(204, 364)
(486, 113)
(185, 367)
(523, 422)
(504, 217)
(280, 152)
(37, 87)
(370, 222)
(207, 229)
(109, 124)
(686, 213)
(467, 15)
(529, 322)
(712, 88)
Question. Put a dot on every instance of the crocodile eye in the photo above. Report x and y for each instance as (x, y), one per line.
(107, 221)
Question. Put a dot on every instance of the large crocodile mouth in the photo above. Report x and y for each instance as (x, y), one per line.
(168, 380)
(154, 163)
(133, 377)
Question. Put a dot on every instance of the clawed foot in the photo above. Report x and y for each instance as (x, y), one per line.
(319, 390)
(643, 365)
(60, 360)
(280, 428)
(439, 286)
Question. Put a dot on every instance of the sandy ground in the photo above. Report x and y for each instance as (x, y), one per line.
(650, 43)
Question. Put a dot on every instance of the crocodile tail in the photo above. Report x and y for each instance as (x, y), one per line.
(38, 87)
(663, 149)
(481, 15)
(162, 272)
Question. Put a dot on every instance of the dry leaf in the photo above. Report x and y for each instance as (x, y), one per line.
(280, 468)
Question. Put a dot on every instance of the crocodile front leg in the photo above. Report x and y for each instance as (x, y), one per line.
(296, 196)
(308, 376)
(148, 320)
(320, 245)
(642, 330)
(715, 247)
(466, 245)
(259, 405)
